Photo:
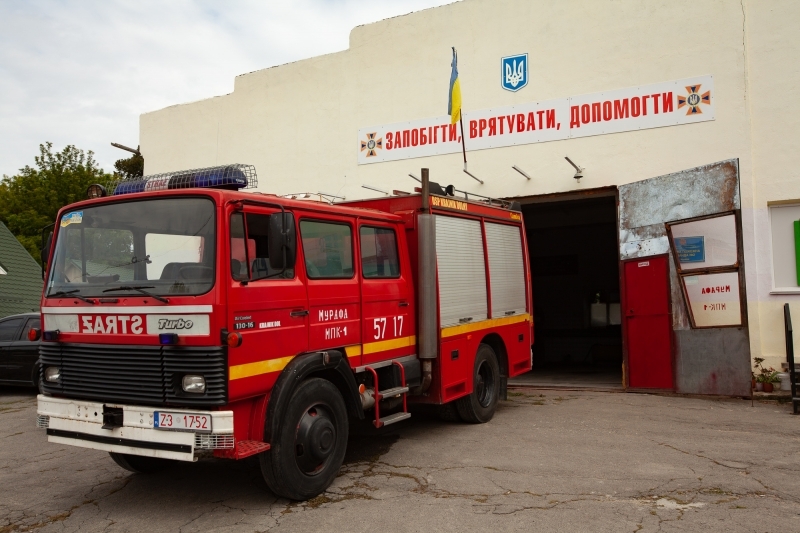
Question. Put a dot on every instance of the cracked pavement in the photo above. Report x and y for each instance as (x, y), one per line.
(549, 461)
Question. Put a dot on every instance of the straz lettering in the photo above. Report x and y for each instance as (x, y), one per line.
(326, 315)
(267, 325)
(715, 290)
(179, 323)
(112, 324)
(449, 203)
(335, 333)
(244, 325)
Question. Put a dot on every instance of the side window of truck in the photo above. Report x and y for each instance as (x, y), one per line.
(379, 252)
(257, 253)
(328, 249)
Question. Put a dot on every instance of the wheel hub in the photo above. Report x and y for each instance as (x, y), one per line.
(315, 440)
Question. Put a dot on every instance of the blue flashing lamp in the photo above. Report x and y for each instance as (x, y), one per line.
(168, 338)
(230, 177)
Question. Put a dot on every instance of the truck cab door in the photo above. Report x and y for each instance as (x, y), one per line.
(267, 307)
(333, 288)
(388, 324)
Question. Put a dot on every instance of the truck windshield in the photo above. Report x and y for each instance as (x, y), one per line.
(161, 246)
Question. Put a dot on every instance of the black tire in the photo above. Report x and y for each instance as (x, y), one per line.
(448, 412)
(309, 445)
(36, 379)
(140, 465)
(479, 406)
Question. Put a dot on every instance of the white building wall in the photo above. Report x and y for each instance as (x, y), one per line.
(298, 123)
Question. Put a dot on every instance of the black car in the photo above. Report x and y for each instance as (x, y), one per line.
(19, 356)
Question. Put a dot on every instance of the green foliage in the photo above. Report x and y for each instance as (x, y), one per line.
(31, 199)
(133, 167)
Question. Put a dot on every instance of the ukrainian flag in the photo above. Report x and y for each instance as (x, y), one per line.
(454, 103)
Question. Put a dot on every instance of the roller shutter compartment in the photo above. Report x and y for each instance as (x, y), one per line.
(506, 269)
(462, 271)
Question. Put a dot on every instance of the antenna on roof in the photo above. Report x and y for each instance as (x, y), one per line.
(375, 189)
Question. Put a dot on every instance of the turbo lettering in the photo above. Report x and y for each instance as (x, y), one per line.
(167, 323)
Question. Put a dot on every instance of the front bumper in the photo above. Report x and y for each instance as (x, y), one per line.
(80, 423)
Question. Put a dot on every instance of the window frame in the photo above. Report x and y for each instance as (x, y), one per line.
(774, 288)
(249, 279)
(349, 226)
(683, 273)
(396, 251)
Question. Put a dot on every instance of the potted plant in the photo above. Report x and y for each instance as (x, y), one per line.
(765, 376)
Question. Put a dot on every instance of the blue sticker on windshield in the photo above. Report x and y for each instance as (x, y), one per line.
(691, 249)
(76, 217)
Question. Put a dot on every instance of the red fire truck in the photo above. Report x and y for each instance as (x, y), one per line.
(183, 316)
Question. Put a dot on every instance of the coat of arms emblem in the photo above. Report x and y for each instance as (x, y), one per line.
(514, 72)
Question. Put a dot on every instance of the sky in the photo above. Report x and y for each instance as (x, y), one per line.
(81, 72)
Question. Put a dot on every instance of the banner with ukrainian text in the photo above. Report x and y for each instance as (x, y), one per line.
(669, 103)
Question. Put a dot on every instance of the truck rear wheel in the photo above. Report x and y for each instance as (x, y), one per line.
(309, 445)
(138, 464)
(479, 407)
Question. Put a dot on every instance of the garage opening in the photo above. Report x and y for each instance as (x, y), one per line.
(574, 259)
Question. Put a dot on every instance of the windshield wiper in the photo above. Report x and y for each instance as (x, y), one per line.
(141, 290)
(71, 294)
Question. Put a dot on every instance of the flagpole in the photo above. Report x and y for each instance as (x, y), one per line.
(464, 151)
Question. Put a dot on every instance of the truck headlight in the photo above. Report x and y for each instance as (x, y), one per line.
(194, 384)
(52, 374)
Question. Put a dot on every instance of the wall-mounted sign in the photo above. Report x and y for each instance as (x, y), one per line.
(514, 72)
(690, 249)
(635, 108)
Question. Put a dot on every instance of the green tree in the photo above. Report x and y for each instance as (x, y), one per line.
(31, 199)
(130, 168)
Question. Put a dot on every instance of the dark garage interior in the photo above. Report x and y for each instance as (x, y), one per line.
(574, 260)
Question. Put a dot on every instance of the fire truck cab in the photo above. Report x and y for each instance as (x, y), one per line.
(183, 316)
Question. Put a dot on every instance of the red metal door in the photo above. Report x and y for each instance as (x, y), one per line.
(648, 323)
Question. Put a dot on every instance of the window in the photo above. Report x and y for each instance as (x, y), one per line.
(166, 244)
(785, 247)
(328, 249)
(707, 259)
(8, 328)
(379, 253)
(257, 249)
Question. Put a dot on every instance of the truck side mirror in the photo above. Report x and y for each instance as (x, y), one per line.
(282, 241)
(46, 253)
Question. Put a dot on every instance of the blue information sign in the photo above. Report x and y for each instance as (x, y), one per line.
(690, 249)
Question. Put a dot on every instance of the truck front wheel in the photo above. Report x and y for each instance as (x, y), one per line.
(479, 407)
(308, 447)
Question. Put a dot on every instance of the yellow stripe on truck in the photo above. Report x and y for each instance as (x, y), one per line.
(248, 370)
(485, 324)
(391, 344)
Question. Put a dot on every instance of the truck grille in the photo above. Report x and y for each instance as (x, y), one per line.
(142, 375)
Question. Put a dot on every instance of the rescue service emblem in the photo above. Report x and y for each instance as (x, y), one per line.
(370, 145)
(694, 99)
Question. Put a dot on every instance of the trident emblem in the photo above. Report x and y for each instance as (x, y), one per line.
(515, 72)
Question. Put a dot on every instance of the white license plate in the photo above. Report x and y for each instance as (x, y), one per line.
(183, 421)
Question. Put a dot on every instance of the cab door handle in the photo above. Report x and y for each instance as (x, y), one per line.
(403, 304)
(299, 312)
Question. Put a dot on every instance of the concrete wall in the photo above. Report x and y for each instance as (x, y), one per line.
(298, 123)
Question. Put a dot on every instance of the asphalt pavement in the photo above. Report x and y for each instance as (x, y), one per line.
(548, 461)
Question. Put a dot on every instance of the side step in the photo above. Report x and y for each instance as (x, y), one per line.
(390, 393)
(246, 448)
(396, 417)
